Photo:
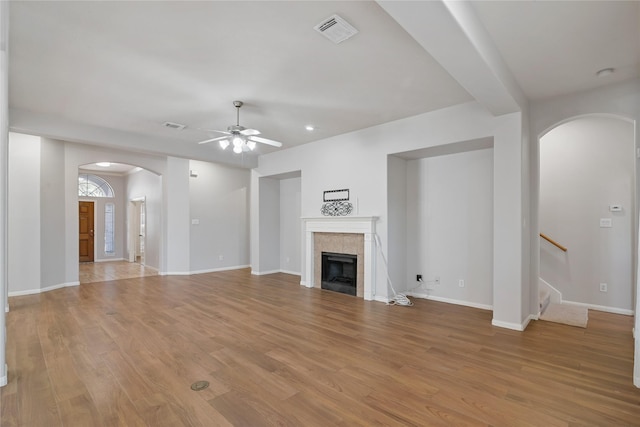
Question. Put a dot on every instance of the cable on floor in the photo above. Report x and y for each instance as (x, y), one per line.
(397, 299)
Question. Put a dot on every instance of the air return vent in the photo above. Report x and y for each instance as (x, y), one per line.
(336, 29)
(176, 126)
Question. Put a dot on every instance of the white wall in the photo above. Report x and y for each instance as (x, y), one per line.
(450, 226)
(148, 185)
(219, 202)
(24, 214)
(399, 229)
(175, 207)
(585, 166)
(4, 160)
(268, 227)
(51, 216)
(290, 226)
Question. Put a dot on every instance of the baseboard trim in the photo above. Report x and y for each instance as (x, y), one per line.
(293, 273)
(513, 326)
(42, 290)
(262, 273)
(109, 259)
(636, 381)
(604, 308)
(450, 301)
(215, 270)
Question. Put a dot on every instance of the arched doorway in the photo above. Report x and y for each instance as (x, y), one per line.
(587, 202)
(106, 249)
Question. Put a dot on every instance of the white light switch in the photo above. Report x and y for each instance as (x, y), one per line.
(195, 222)
(605, 223)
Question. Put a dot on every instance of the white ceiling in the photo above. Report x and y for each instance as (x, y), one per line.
(110, 73)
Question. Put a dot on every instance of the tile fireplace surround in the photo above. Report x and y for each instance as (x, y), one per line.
(337, 235)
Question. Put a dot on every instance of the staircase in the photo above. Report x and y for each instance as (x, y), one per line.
(544, 298)
(547, 294)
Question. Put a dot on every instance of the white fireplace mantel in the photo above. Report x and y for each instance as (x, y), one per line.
(342, 224)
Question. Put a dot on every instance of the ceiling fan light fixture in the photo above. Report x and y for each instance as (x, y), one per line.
(224, 143)
(237, 149)
(238, 141)
(251, 144)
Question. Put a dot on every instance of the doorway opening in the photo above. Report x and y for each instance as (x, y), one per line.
(587, 204)
(137, 230)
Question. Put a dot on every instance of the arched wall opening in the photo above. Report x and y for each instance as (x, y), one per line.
(586, 201)
(119, 229)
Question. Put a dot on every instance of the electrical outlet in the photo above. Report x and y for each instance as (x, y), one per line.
(220, 257)
(603, 287)
(461, 283)
(437, 280)
(418, 277)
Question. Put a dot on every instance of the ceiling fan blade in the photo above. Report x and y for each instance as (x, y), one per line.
(250, 132)
(214, 130)
(266, 141)
(213, 139)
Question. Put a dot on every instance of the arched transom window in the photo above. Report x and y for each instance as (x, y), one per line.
(93, 186)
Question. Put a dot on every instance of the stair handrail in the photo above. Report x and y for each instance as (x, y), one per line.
(553, 242)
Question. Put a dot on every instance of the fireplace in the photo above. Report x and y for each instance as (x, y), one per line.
(339, 272)
(345, 234)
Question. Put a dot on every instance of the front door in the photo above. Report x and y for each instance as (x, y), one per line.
(85, 217)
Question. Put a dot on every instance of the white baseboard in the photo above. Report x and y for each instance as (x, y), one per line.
(41, 290)
(262, 273)
(508, 325)
(450, 300)
(304, 283)
(514, 326)
(209, 270)
(604, 308)
(293, 273)
(636, 381)
(109, 259)
(215, 270)
(3, 379)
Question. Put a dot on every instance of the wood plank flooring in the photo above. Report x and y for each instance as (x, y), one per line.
(124, 353)
(91, 272)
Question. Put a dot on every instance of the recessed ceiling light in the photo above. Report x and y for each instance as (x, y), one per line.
(103, 164)
(309, 128)
(605, 72)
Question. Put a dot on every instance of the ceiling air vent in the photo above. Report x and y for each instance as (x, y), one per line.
(176, 126)
(336, 29)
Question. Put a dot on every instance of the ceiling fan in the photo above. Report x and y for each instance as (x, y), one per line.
(241, 138)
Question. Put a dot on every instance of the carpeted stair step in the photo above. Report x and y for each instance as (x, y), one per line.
(566, 314)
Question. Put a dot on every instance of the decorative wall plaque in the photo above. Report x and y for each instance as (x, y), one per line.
(336, 203)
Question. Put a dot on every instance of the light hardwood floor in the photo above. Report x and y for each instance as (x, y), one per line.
(126, 352)
(91, 272)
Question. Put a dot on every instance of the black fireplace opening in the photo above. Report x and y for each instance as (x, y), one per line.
(339, 272)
